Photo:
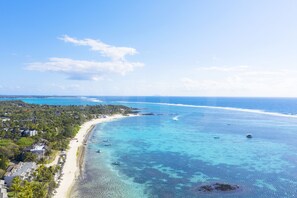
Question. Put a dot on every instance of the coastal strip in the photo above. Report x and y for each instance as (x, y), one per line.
(82, 148)
(75, 155)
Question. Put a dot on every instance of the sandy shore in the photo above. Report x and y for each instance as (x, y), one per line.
(71, 169)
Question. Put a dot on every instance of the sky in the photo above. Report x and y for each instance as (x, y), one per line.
(242, 48)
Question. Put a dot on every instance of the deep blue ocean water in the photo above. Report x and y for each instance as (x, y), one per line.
(279, 105)
(191, 142)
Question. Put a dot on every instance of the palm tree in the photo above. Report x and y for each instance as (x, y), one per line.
(40, 189)
(27, 190)
(16, 186)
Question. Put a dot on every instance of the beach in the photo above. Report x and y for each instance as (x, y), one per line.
(71, 169)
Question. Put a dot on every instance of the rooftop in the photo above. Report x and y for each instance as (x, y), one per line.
(39, 147)
(21, 169)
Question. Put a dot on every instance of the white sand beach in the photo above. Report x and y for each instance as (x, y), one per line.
(71, 167)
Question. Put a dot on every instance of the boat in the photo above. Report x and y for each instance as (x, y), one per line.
(109, 144)
(249, 136)
(98, 151)
(175, 118)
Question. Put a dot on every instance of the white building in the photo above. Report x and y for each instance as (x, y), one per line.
(30, 132)
(39, 150)
(4, 119)
(23, 170)
(3, 191)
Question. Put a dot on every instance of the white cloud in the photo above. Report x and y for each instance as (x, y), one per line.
(248, 82)
(89, 70)
(83, 70)
(115, 53)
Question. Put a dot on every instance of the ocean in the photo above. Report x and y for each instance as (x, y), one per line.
(189, 142)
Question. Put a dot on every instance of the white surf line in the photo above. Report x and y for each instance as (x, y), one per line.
(256, 111)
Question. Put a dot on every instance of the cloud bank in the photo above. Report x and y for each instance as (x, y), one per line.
(89, 70)
(240, 81)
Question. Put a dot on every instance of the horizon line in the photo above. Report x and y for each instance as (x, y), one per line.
(56, 95)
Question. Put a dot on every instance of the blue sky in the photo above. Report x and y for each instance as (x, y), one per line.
(168, 47)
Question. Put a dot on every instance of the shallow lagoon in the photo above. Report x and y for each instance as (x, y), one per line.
(191, 143)
(168, 155)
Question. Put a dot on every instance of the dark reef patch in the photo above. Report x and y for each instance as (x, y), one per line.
(217, 187)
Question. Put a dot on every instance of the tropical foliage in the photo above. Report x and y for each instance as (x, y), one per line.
(55, 126)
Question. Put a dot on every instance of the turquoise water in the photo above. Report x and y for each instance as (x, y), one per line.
(188, 143)
(169, 155)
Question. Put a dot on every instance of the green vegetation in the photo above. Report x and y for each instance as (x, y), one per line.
(8, 150)
(25, 142)
(54, 127)
(51, 156)
(5, 142)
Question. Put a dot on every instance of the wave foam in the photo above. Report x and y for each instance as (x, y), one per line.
(91, 99)
(257, 111)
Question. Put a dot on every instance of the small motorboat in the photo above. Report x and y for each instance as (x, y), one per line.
(98, 151)
(249, 136)
(175, 118)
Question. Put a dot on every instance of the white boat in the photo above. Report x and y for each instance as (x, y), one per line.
(175, 118)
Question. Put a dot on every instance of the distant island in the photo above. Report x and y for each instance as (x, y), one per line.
(34, 139)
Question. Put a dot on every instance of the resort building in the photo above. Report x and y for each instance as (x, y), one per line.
(39, 150)
(30, 132)
(3, 191)
(5, 119)
(23, 170)
(100, 116)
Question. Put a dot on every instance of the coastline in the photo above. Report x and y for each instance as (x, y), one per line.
(75, 155)
(82, 148)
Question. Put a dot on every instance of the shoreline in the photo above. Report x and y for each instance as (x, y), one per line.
(75, 155)
(82, 148)
(80, 153)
